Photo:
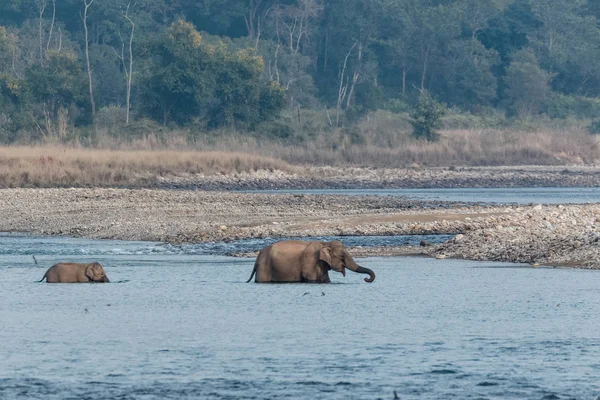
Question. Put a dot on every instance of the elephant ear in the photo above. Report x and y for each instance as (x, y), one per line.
(89, 272)
(325, 255)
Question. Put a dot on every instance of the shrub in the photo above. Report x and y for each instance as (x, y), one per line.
(595, 127)
(426, 117)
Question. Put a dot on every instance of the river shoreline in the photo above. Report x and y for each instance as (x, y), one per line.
(415, 177)
(540, 235)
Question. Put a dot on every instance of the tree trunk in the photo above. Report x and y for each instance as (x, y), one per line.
(51, 26)
(343, 88)
(355, 76)
(130, 73)
(42, 8)
(424, 72)
(87, 58)
(404, 78)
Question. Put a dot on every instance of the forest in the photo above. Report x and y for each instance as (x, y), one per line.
(76, 69)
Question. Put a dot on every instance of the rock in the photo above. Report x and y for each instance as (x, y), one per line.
(223, 227)
(537, 207)
(440, 257)
(459, 237)
(425, 243)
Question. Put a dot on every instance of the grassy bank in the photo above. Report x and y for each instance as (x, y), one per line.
(69, 166)
(383, 140)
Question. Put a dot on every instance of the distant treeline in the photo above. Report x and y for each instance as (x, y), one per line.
(237, 64)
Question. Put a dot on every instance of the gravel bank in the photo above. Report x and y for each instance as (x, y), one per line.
(552, 235)
(381, 178)
(177, 216)
(540, 235)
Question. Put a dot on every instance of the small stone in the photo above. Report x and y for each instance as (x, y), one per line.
(223, 227)
(537, 208)
(440, 257)
(459, 237)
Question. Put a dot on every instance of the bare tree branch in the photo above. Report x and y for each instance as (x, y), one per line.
(87, 56)
(51, 25)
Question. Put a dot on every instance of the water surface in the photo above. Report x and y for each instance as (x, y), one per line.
(540, 195)
(175, 325)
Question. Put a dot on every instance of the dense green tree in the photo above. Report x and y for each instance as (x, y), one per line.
(426, 117)
(468, 78)
(221, 86)
(527, 85)
(59, 83)
(237, 62)
(174, 88)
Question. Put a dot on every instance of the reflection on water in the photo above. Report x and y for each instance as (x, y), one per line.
(187, 326)
(572, 195)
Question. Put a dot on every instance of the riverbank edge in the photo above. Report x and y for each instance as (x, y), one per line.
(536, 235)
(312, 177)
(416, 177)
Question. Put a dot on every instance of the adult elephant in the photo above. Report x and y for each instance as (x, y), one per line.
(299, 261)
(75, 272)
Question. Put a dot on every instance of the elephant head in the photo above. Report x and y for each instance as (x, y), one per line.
(95, 273)
(337, 257)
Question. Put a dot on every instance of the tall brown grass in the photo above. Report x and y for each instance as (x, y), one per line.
(72, 166)
(374, 143)
(373, 147)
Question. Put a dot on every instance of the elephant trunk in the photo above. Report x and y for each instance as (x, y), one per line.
(105, 279)
(352, 265)
(363, 270)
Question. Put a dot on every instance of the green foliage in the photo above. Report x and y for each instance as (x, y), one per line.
(595, 127)
(563, 106)
(253, 59)
(396, 105)
(426, 117)
(527, 86)
(213, 83)
(58, 83)
(173, 88)
(469, 80)
(278, 130)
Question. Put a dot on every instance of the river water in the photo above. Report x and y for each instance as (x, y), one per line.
(181, 323)
(539, 195)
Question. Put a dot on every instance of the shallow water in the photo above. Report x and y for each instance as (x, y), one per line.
(549, 195)
(175, 325)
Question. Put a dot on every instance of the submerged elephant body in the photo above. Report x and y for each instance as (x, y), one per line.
(299, 261)
(75, 272)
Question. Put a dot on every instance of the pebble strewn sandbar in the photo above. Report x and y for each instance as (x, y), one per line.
(380, 178)
(561, 235)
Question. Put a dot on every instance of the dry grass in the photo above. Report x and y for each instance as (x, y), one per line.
(375, 143)
(68, 166)
(377, 148)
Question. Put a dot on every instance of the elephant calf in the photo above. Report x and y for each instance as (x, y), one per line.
(75, 272)
(298, 261)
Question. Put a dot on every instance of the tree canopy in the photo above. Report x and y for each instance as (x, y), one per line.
(237, 63)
